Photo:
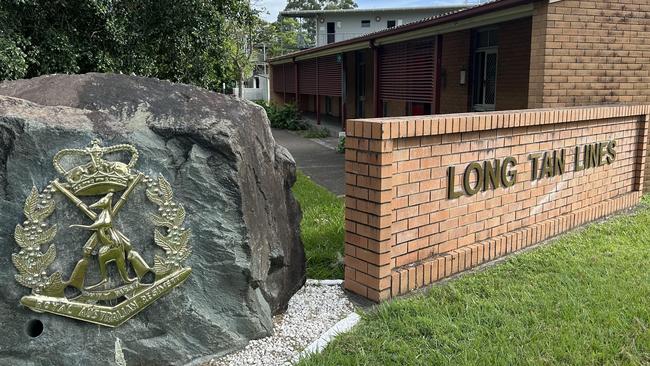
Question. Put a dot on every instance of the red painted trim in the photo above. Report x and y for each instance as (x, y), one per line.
(295, 77)
(344, 86)
(317, 95)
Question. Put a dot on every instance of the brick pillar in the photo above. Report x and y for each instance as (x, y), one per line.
(369, 192)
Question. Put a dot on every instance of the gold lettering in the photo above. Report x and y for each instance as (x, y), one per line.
(451, 193)
(559, 162)
(467, 186)
(534, 158)
(491, 174)
(547, 166)
(509, 177)
(611, 152)
(578, 167)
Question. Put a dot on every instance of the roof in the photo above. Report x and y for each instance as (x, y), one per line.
(449, 17)
(310, 13)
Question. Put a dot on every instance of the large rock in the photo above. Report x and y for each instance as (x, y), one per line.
(225, 168)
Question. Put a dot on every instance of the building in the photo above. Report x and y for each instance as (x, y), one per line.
(343, 24)
(501, 55)
(257, 87)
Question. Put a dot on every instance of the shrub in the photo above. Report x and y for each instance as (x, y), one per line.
(286, 117)
(341, 147)
(316, 133)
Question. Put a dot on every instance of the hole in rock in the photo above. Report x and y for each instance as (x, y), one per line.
(34, 328)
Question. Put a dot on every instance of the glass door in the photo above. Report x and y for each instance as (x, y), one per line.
(485, 79)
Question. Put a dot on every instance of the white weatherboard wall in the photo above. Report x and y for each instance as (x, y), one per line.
(348, 25)
(261, 93)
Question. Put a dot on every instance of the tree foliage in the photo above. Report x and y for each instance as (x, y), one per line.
(305, 32)
(179, 40)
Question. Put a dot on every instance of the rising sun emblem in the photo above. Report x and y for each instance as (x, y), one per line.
(109, 301)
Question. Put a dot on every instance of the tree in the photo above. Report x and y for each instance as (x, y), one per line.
(282, 36)
(179, 40)
(338, 4)
(245, 33)
(308, 27)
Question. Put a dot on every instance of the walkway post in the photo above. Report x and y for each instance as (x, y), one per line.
(343, 90)
(317, 94)
(375, 79)
(295, 77)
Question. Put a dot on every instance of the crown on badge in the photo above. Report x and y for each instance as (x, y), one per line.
(97, 176)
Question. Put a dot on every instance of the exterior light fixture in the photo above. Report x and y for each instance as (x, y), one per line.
(378, 18)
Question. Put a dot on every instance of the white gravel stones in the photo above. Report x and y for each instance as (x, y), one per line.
(312, 311)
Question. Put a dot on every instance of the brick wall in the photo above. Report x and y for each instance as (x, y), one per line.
(514, 64)
(455, 57)
(590, 52)
(404, 232)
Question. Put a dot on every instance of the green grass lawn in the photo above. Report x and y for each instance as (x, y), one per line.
(583, 299)
(322, 229)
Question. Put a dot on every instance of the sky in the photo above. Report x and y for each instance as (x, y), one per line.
(274, 6)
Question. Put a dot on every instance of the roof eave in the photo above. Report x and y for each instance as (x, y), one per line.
(489, 13)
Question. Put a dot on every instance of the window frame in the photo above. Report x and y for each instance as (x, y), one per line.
(490, 49)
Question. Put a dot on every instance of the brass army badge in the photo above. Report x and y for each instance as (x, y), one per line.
(110, 301)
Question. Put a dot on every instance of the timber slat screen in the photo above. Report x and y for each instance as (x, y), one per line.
(329, 76)
(283, 78)
(308, 76)
(289, 78)
(278, 78)
(406, 71)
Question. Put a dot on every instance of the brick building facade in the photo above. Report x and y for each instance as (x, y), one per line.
(590, 52)
(547, 53)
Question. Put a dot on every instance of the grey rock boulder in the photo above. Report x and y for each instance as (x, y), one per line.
(224, 166)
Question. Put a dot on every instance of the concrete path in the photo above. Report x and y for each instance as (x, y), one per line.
(317, 158)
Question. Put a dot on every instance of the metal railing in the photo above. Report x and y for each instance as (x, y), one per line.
(327, 38)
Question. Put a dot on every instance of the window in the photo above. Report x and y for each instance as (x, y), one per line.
(487, 38)
(485, 70)
(257, 83)
(331, 35)
(365, 24)
(390, 24)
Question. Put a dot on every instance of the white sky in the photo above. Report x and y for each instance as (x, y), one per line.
(274, 6)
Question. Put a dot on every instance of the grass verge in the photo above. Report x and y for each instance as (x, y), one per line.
(582, 300)
(322, 228)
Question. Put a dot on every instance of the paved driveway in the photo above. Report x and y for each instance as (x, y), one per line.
(317, 158)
